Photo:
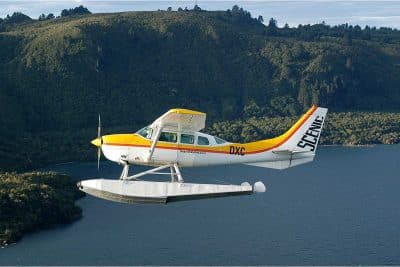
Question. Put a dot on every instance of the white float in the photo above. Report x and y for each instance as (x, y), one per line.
(133, 191)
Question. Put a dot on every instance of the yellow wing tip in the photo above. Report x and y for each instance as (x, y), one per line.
(186, 111)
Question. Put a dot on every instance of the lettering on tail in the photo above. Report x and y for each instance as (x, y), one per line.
(310, 138)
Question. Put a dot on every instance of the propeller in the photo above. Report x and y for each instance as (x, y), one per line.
(101, 142)
(98, 142)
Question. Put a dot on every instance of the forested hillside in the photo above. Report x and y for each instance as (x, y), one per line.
(33, 201)
(57, 74)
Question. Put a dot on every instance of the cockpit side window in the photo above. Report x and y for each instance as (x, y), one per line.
(168, 137)
(187, 139)
(219, 140)
(203, 141)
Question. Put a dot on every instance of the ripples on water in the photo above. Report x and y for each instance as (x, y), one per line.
(340, 209)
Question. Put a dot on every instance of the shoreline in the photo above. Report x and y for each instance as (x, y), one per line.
(47, 198)
(364, 145)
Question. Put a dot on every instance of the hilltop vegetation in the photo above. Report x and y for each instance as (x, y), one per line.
(57, 74)
(343, 128)
(32, 201)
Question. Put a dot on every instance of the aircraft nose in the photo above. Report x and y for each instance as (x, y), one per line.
(96, 142)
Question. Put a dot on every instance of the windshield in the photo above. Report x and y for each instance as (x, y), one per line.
(219, 140)
(145, 132)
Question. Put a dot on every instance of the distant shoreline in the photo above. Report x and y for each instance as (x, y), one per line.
(362, 145)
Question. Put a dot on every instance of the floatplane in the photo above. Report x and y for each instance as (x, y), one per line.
(174, 141)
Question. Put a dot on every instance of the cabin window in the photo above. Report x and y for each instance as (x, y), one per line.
(145, 132)
(219, 140)
(203, 141)
(168, 137)
(187, 139)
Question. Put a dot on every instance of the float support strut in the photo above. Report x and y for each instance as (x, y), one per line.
(125, 171)
(178, 173)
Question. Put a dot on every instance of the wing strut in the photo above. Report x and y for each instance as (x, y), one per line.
(154, 142)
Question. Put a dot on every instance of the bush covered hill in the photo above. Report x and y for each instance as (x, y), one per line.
(342, 128)
(58, 74)
(32, 201)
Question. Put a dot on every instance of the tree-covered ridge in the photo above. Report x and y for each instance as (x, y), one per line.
(32, 201)
(219, 61)
(343, 128)
(58, 74)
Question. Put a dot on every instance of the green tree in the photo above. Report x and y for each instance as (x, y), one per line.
(80, 10)
(272, 28)
(42, 17)
(50, 16)
(196, 8)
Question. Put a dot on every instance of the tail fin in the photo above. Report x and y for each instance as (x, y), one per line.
(304, 135)
(299, 144)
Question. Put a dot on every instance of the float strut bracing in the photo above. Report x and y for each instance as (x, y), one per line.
(175, 173)
(125, 171)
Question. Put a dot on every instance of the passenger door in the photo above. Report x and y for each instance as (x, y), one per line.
(167, 148)
(186, 152)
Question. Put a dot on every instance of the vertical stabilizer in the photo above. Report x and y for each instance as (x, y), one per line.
(305, 137)
(299, 143)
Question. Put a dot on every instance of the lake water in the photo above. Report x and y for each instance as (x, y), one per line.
(341, 209)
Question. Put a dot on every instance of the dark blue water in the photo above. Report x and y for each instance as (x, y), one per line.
(341, 209)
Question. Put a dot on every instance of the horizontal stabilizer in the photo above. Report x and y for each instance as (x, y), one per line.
(282, 164)
(288, 152)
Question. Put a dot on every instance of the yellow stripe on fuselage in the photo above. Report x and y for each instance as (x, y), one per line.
(135, 140)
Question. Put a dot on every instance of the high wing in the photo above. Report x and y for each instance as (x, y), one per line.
(177, 119)
(182, 120)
